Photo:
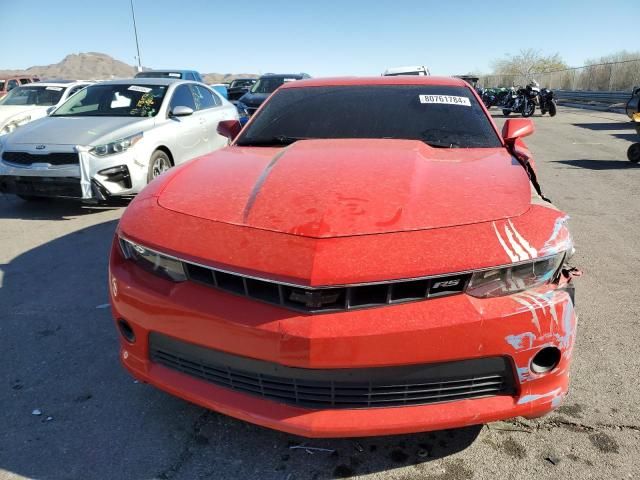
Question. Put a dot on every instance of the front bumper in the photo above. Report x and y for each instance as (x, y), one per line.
(429, 332)
(84, 180)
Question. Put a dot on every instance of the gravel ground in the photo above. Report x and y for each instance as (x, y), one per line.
(59, 355)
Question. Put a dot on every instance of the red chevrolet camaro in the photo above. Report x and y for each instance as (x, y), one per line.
(369, 256)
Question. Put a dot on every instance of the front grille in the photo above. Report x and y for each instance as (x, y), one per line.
(42, 186)
(338, 388)
(55, 158)
(328, 299)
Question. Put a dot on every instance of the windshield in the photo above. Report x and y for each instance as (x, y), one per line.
(441, 116)
(121, 100)
(31, 95)
(242, 83)
(159, 75)
(269, 84)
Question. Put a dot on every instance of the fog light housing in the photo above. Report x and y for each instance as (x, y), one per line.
(126, 330)
(119, 175)
(545, 360)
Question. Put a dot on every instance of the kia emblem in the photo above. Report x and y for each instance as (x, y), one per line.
(40, 147)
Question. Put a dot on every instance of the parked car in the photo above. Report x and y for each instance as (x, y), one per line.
(179, 74)
(32, 101)
(112, 138)
(8, 84)
(419, 70)
(264, 86)
(221, 88)
(239, 87)
(369, 257)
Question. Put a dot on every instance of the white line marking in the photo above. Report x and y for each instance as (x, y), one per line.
(511, 255)
(532, 251)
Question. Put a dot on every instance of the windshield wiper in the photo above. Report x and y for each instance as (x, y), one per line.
(277, 140)
(438, 144)
(287, 140)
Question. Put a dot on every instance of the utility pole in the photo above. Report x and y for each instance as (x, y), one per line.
(135, 31)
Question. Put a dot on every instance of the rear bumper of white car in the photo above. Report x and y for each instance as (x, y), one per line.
(85, 177)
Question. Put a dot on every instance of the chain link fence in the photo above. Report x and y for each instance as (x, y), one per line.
(603, 77)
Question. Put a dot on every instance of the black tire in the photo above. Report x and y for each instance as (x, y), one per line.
(32, 198)
(633, 154)
(531, 108)
(506, 113)
(159, 163)
(552, 108)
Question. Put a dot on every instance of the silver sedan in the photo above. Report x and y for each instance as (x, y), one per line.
(112, 138)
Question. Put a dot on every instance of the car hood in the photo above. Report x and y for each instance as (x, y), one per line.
(332, 188)
(77, 130)
(8, 112)
(254, 100)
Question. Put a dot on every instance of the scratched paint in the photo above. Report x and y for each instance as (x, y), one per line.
(532, 398)
(516, 341)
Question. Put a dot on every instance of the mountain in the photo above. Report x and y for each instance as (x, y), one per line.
(86, 66)
(100, 66)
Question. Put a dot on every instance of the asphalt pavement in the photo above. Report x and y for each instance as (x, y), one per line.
(69, 411)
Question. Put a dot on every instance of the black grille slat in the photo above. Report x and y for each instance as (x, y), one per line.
(326, 299)
(55, 158)
(314, 388)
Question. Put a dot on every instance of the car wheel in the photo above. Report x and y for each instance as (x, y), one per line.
(633, 154)
(158, 164)
(506, 113)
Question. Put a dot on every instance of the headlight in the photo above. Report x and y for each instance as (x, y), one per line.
(118, 146)
(153, 261)
(515, 278)
(13, 124)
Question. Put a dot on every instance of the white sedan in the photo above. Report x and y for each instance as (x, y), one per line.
(32, 101)
(112, 138)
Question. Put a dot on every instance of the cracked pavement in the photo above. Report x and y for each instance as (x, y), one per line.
(59, 354)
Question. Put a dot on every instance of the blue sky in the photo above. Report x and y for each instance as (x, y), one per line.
(321, 38)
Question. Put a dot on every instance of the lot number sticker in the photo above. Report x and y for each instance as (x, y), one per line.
(445, 99)
(137, 88)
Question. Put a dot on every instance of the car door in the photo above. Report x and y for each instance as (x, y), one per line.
(211, 111)
(187, 130)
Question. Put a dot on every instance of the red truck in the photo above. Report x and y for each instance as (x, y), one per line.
(9, 83)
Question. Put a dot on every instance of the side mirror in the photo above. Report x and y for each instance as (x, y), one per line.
(515, 128)
(50, 110)
(181, 111)
(229, 128)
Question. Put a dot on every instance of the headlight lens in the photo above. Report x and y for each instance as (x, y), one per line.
(515, 278)
(155, 262)
(118, 146)
(13, 124)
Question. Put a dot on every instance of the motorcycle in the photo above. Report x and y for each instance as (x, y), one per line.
(633, 153)
(492, 97)
(546, 102)
(521, 100)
